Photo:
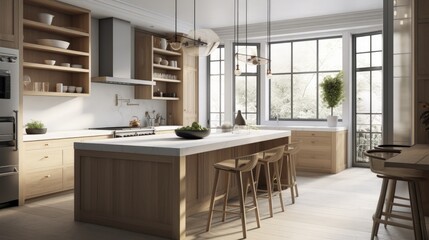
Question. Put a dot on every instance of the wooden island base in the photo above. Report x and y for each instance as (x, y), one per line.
(149, 193)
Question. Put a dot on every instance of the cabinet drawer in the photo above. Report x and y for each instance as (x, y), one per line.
(42, 159)
(310, 134)
(319, 143)
(43, 182)
(68, 177)
(48, 144)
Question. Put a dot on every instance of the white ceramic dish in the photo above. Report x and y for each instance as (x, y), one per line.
(79, 89)
(50, 62)
(76, 66)
(65, 64)
(71, 89)
(46, 18)
(54, 43)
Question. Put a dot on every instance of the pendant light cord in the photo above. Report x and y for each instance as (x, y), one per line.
(175, 25)
(195, 22)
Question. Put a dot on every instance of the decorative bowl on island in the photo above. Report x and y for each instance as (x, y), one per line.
(195, 131)
(192, 134)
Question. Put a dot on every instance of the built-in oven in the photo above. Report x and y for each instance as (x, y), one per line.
(9, 103)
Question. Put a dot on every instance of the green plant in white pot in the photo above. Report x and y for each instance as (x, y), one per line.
(333, 95)
(35, 127)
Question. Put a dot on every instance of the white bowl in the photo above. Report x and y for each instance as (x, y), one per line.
(79, 89)
(50, 62)
(54, 43)
(46, 18)
(76, 66)
(65, 64)
(72, 89)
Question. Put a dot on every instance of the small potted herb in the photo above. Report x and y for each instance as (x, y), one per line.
(35, 127)
(333, 95)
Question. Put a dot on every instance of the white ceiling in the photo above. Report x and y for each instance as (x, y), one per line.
(158, 15)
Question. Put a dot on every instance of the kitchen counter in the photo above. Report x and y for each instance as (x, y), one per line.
(151, 184)
(302, 128)
(65, 134)
(171, 145)
(81, 133)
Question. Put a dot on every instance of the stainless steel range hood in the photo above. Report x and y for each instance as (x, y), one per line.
(115, 53)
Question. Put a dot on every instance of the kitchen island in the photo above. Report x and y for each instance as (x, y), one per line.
(150, 184)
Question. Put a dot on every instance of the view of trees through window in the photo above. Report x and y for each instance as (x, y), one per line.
(298, 68)
(368, 88)
(246, 85)
(216, 85)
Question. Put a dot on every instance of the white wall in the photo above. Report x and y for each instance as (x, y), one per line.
(97, 110)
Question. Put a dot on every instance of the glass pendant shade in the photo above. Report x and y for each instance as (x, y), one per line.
(176, 45)
(237, 71)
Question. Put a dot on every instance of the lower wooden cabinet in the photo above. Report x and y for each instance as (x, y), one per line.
(48, 166)
(321, 151)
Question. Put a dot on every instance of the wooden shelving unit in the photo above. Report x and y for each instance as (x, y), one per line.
(147, 48)
(71, 24)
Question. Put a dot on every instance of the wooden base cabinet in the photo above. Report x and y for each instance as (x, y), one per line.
(9, 17)
(48, 166)
(321, 151)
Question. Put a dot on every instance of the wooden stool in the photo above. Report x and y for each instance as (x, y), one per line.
(391, 189)
(271, 156)
(412, 177)
(236, 166)
(291, 150)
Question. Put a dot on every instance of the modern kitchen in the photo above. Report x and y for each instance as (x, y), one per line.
(125, 119)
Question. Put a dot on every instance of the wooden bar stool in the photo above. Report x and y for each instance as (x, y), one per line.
(237, 167)
(391, 196)
(290, 154)
(271, 156)
(412, 177)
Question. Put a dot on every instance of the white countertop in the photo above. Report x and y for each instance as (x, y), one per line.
(302, 128)
(171, 145)
(65, 134)
(81, 133)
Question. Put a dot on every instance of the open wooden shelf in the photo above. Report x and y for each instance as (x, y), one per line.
(39, 47)
(55, 94)
(166, 52)
(53, 29)
(166, 67)
(165, 98)
(53, 67)
(71, 24)
(167, 80)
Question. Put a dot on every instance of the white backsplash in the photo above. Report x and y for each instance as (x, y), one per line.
(97, 110)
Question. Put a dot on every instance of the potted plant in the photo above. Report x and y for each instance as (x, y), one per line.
(333, 95)
(35, 127)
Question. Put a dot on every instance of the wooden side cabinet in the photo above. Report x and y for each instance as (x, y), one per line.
(48, 166)
(9, 26)
(321, 151)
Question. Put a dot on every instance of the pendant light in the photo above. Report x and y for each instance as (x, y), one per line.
(254, 59)
(175, 45)
(237, 71)
(200, 42)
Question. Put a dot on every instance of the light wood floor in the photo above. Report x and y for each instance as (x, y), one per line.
(331, 207)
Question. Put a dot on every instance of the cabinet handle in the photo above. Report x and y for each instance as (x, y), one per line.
(48, 176)
(313, 141)
(46, 144)
(46, 157)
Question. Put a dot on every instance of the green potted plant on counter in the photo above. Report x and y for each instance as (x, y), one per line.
(35, 127)
(333, 95)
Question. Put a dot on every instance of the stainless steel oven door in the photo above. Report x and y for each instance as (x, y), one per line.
(9, 81)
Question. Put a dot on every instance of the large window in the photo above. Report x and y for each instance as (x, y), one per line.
(367, 94)
(216, 71)
(246, 86)
(298, 68)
